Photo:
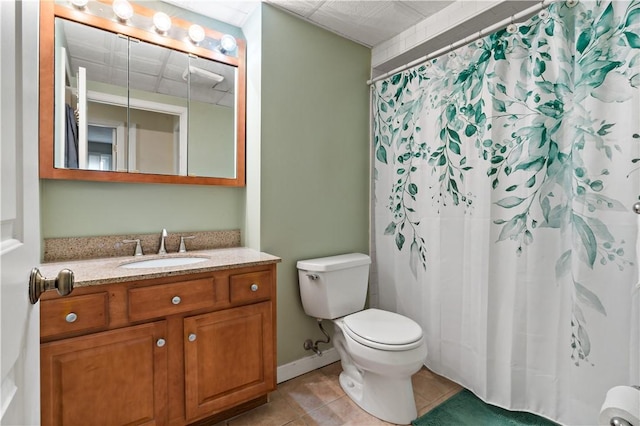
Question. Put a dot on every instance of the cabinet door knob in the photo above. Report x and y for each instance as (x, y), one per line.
(254, 287)
(71, 317)
(176, 300)
(192, 337)
(161, 342)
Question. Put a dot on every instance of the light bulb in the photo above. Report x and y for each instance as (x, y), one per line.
(122, 9)
(80, 4)
(196, 33)
(227, 43)
(162, 22)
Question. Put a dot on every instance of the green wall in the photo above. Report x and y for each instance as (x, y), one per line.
(81, 209)
(315, 157)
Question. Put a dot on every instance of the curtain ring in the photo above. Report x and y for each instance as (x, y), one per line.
(512, 28)
(451, 53)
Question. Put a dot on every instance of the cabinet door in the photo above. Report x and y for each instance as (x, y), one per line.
(229, 358)
(111, 378)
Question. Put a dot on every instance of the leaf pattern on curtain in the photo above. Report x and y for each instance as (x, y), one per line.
(567, 58)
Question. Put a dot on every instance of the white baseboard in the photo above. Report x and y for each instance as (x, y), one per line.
(305, 365)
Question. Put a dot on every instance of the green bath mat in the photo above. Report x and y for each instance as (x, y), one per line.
(466, 409)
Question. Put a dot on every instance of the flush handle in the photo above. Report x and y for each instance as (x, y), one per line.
(39, 284)
(313, 277)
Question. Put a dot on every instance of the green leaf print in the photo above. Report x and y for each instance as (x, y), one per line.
(633, 39)
(518, 118)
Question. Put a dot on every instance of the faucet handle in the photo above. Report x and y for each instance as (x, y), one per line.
(138, 246)
(183, 247)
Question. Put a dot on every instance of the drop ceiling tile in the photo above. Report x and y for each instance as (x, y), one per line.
(139, 81)
(173, 88)
(302, 8)
(231, 12)
(426, 8)
(369, 23)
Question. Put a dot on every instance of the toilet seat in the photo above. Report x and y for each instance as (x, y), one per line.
(383, 330)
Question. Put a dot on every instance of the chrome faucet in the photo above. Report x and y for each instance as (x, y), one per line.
(183, 247)
(162, 237)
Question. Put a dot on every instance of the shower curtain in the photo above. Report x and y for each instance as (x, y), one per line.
(504, 176)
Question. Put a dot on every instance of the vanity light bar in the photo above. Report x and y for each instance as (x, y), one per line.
(156, 22)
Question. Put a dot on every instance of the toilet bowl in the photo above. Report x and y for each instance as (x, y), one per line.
(379, 350)
(377, 369)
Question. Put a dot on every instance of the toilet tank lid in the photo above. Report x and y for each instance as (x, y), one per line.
(334, 263)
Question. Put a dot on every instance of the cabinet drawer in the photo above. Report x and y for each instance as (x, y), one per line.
(168, 299)
(73, 314)
(250, 287)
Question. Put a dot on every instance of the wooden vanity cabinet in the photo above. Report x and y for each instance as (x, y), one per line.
(166, 351)
(117, 377)
(225, 360)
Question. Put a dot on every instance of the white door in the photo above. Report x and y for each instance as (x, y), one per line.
(19, 220)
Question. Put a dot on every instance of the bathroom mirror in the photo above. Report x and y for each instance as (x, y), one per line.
(121, 103)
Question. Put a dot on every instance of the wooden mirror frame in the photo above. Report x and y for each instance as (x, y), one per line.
(48, 12)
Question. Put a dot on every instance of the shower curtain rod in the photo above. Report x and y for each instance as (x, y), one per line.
(512, 19)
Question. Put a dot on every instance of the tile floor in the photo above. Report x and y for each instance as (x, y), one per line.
(316, 398)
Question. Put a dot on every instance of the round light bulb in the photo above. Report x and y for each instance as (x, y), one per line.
(122, 9)
(80, 4)
(227, 43)
(196, 33)
(162, 22)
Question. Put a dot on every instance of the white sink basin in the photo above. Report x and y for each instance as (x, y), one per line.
(163, 262)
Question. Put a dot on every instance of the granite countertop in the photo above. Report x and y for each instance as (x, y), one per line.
(106, 271)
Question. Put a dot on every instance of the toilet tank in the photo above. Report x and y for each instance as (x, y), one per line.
(335, 286)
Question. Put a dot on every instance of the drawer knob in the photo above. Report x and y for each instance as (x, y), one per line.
(254, 287)
(192, 337)
(161, 342)
(176, 300)
(71, 317)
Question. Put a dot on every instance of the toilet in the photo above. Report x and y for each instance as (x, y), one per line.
(379, 350)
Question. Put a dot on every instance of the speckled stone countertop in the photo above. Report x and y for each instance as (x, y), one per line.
(107, 271)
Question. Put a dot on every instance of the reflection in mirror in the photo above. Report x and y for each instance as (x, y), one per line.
(212, 148)
(158, 114)
(80, 52)
(130, 106)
